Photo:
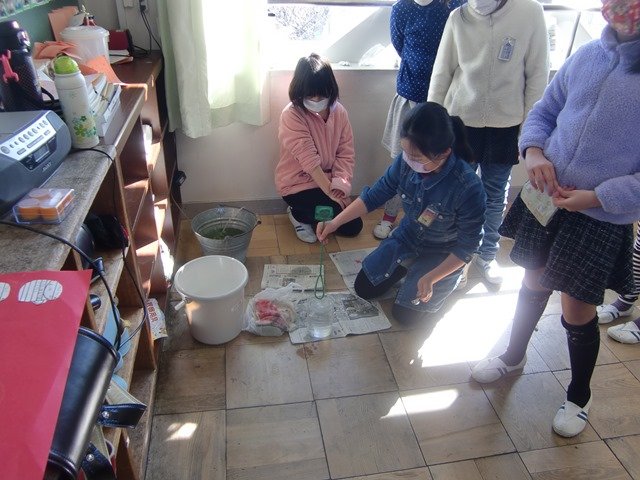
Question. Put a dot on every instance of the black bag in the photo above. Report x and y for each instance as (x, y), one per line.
(92, 365)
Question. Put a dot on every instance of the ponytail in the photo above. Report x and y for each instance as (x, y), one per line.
(461, 146)
(429, 127)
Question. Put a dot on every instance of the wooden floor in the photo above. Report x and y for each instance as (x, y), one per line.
(398, 404)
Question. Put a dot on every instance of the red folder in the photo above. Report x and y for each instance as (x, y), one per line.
(39, 318)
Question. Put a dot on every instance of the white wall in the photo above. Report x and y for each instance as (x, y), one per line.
(112, 14)
(236, 163)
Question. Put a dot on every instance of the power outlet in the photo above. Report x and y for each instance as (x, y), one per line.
(143, 5)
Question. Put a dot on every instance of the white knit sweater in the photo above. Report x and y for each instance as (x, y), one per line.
(469, 79)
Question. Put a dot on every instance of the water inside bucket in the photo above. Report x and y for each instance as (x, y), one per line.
(225, 231)
(215, 233)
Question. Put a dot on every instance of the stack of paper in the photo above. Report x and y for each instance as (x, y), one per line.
(104, 97)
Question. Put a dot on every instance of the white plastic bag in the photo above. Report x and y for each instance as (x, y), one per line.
(271, 312)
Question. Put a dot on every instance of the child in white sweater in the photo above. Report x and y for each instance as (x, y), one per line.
(492, 66)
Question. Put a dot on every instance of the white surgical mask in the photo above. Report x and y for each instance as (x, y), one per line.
(484, 7)
(418, 166)
(423, 3)
(315, 106)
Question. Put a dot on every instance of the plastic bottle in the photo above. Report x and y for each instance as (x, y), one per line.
(74, 100)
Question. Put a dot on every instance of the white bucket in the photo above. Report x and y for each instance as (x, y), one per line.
(90, 41)
(212, 290)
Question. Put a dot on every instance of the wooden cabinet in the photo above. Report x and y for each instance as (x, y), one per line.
(136, 188)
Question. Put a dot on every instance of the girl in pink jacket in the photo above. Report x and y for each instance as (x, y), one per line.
(316, 149)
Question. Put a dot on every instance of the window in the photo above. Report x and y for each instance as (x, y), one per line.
(337, 32)
(356, 32)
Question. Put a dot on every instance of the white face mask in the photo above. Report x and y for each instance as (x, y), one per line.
(484, 7)
(423, 3)
(316, 106)
(417, 166)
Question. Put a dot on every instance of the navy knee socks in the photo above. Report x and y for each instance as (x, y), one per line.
(584, 343)
(529, 309)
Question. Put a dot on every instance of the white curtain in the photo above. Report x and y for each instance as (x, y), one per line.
(214, 72)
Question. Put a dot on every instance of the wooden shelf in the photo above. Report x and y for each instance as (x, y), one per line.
(147, 255)
(133, 195)
(113, 266)
(131, 318)
(143, 387)
(134, 187)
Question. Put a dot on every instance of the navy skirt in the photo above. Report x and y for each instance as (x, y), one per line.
(581, 256)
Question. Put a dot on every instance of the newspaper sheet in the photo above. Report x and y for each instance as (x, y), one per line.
(353, 316)
(276, 276)
(350, 262)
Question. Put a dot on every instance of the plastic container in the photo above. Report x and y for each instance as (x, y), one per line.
(74, 100)
(212, 291)
(225, 231)
(320, 317)
(44, 205)
(19, 86)
(90, 41)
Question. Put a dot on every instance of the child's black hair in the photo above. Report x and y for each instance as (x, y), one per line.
(312, 77)
(432, 130)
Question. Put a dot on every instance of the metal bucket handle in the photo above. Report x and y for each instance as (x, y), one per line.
(258, 221)
(182, 302)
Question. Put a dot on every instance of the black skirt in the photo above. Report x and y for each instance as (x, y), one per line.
(581, 256)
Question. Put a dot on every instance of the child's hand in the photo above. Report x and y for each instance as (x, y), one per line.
(324, 229)
(425, 288)
(542, 173)
(575, 200)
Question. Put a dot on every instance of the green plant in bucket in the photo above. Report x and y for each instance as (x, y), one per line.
(215, 232)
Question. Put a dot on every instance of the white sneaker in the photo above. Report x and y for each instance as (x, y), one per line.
(609, 313)
(490, 271)
(382, 230)
(303, 231)
(571, 419)
(493, 368)
(626, 333)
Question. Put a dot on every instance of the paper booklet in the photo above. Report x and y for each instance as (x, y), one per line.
(353, 316)
(539, 204)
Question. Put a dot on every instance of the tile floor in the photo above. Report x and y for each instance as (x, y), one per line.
(398, 404)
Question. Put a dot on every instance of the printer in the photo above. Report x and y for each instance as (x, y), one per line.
(33, 144)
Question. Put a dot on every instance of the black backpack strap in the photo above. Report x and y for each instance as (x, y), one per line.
(121, 409)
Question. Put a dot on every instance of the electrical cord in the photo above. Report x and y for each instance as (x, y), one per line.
(148, 26)
(91, 261)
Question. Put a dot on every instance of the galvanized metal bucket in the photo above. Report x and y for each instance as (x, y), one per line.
(225, 231)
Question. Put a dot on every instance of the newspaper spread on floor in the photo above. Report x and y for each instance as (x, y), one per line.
(349, 264)
(353, 316)
(276, 276)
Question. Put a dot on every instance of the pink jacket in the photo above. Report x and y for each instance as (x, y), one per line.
(307, 141)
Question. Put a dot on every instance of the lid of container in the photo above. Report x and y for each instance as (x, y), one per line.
(64, 65)
(84, 32)
(12, 37)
